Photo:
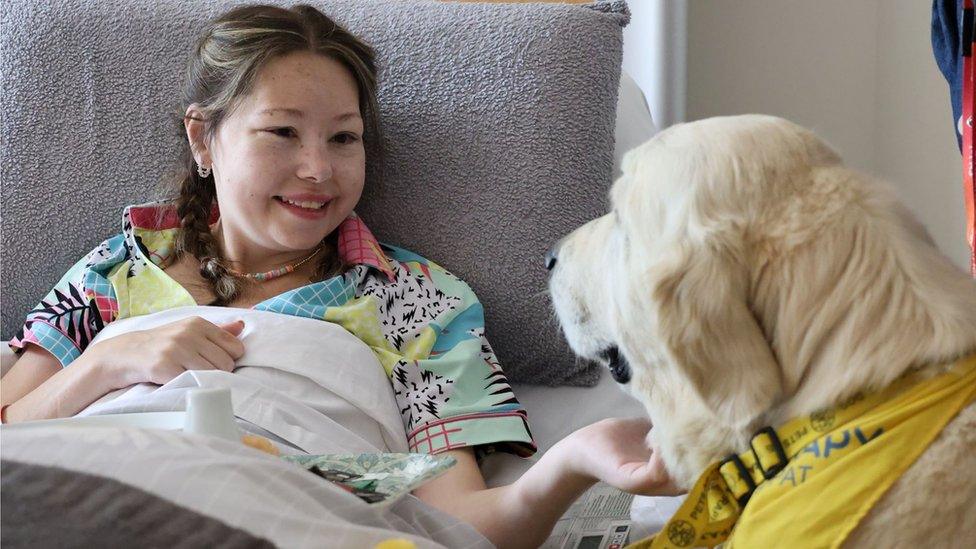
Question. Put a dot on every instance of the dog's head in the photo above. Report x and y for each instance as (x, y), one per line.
(733, 251)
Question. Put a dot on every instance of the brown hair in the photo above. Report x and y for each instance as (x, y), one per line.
(222, 69)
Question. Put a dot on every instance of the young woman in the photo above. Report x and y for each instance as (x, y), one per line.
(280, 112)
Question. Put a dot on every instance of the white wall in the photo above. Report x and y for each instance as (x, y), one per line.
(861, 74)
(654, 55)
(916, 148)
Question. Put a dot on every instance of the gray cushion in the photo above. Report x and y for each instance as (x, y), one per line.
(498, 121)
(53, 507)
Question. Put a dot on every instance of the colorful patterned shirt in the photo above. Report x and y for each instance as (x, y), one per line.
(423, 323)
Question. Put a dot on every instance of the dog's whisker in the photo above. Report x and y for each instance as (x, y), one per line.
(542, 293)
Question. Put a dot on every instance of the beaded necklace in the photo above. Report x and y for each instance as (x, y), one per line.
(274, 273)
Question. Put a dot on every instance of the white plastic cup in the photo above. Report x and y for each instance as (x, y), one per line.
(209, 412)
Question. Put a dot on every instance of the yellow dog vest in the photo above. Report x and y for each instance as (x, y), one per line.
(818, 476)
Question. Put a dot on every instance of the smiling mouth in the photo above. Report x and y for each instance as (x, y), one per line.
(304, 204)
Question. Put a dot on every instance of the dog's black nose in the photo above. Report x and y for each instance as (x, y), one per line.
(619, 368)
(550, 259)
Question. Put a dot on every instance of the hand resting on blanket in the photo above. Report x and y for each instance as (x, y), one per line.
(160, 354)
(153, 356)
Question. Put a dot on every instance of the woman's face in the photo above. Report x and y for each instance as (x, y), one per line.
(289, 162)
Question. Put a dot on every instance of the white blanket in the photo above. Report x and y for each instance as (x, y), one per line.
(311, 383)
(237, 485)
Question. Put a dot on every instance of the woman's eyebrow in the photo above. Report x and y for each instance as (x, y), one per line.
(293, 112)
(300, 114)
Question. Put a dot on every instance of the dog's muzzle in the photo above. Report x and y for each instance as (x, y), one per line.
(619, 368)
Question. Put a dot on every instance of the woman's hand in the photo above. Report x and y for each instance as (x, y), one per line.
(160, 354)
(615, 452)
(523, 514)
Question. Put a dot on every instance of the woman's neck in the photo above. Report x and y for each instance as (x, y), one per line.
(246, 258)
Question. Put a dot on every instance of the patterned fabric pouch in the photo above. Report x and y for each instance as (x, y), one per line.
(376, 478)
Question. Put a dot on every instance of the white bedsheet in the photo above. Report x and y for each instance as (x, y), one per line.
(311, 383)
(242, 487)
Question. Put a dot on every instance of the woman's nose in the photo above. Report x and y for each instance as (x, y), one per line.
(316, 163)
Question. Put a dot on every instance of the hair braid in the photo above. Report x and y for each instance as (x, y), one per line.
(193, 207)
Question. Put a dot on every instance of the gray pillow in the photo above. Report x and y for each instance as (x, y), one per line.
(498, 122)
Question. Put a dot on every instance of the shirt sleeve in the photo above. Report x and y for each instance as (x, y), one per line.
(457, 395)
(76, 309)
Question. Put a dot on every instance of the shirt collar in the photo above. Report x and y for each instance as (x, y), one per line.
(357, 245)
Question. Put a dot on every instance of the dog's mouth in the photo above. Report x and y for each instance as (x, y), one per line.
(619, 368)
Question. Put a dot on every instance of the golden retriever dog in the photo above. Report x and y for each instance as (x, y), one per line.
(743, 277)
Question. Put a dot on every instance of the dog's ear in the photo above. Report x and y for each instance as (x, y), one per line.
(711, 335)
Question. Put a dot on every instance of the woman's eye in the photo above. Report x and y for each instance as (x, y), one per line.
(283, 132)
(346, 138)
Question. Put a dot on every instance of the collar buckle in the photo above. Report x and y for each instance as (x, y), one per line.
(744, 474)
(777, 447)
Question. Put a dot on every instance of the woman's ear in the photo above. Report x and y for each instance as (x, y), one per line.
(712, 336)
(193, 121)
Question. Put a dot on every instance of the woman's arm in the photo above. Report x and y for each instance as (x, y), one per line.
(518, 515)
(37, 387)
(523, 514)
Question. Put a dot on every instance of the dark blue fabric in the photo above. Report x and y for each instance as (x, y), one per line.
(947, 47)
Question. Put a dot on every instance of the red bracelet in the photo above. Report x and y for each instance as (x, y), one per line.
(3, 413)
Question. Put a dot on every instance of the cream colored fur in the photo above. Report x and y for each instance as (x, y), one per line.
(748, 277)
